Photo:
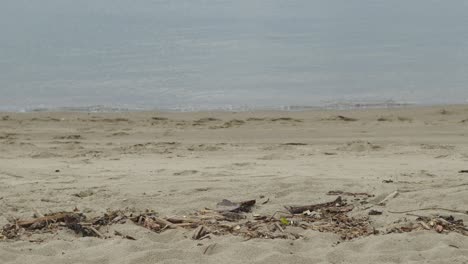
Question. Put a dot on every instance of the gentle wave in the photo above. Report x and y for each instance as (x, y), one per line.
(239, 108)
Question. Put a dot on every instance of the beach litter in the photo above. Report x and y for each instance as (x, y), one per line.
(440, 224)
(235, 218)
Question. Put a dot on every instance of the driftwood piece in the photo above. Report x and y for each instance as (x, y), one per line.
(44, 221)
(300, 209)
(164, 223)
(339, 209)
(226, 205)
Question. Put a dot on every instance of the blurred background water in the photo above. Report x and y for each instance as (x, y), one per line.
(209, 54)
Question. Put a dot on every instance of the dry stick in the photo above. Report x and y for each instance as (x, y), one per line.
(430, 208)
(313, 207)
(164, 228)
(165, 223)
(390, 196)
(96, 232)
(424, 225)
(279, 227)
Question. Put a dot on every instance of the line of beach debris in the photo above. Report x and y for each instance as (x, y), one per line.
(238, 218)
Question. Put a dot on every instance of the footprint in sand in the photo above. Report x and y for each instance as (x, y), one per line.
(232, 123)
(69, 137)
(44, 155)
(340, 118)
(255, 119)
(204, 147)
(120, 134)
(359, 146)
(205, 121)
(185, 173)
(276, 156)
(436, 146)
(8, 136)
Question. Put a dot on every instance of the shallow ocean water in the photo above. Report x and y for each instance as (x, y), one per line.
(202, 54)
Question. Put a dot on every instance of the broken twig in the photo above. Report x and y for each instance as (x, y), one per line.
(390, 196)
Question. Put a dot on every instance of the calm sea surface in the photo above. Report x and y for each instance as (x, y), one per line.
(201, 54)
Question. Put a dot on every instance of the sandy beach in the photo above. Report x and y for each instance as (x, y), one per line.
(178, 163)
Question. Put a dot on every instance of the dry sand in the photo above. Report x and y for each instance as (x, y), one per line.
(176, 163)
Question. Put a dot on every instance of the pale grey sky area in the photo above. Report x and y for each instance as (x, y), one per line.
(206, 54)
